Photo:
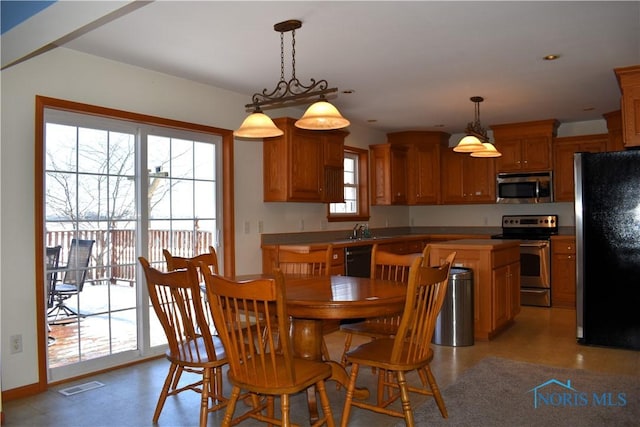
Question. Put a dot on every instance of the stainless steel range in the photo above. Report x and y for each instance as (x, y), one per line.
(534, 233)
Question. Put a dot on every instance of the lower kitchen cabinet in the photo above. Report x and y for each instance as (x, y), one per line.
(496, 280)
(563, 271)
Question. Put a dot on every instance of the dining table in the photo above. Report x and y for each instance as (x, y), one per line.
(313, 299)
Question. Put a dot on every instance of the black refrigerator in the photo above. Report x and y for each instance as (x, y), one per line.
(607, 208)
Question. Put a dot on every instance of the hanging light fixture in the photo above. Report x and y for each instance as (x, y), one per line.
(476, 141)
(319, 116)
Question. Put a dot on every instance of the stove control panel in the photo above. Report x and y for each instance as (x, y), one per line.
(530, 221)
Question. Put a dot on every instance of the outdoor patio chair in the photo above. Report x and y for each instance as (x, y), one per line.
(52, 259)
(74, 275)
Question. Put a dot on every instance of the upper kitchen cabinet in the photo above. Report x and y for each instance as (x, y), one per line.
(423, 164)
(563, 151)
(465, 179)
(629, 81)
(525, 147)
(303, 165)
(389, 174)
(614, 129)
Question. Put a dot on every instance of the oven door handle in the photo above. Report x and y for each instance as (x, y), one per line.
(534, 244)
(532, 291)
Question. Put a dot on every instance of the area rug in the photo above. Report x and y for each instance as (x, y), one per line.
(502, 392)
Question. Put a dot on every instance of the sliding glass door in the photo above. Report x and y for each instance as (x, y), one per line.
(126, 189)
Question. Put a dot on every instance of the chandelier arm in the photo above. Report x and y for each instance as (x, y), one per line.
(267, 101)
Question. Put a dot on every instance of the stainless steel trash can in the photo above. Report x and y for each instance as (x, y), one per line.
(454, 326)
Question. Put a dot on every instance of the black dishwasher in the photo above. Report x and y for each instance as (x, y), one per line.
(358, 261)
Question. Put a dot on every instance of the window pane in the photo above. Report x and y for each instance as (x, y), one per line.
(61, 148)
(159, 149)
(181, 158)
(92, 197)
(60, 192)
(159, 202)
(204, 161)
(181, 198)
(92, 150)
(121, 154)
(205, 199)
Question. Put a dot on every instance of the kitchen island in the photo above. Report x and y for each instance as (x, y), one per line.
(496, 280)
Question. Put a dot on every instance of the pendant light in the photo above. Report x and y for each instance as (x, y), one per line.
(321, 115)
(258, 125)
(476, 141)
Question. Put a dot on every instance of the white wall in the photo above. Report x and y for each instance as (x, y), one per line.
(66, 74)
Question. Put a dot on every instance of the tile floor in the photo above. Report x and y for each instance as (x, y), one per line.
(128, 398)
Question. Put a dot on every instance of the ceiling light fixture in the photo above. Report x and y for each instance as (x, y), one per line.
(476, 142)
(321, 115)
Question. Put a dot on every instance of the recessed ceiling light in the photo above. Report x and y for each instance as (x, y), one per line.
(550, 57)
(372, 120)
(588, 109)
(348, 91)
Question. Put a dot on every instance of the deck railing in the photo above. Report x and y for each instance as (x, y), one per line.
(113, 257)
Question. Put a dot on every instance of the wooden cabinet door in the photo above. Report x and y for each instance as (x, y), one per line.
(563, 154)
(388, 174)
(452, 177)
(563, 272)
(380, 159)
(333, 144)
(399, 171)
(536, 154)
(501, 297)
(307, 169)
(525, 146)
(424, 174)
(511, 158)
(479, 180)
(629, 82)
(514, 288)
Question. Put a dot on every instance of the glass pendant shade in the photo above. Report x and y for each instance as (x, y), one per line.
(468, 144)
(488, 151)
(258, 125)
(322, 116)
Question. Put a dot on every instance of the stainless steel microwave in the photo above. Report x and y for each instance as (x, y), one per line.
(527, 187)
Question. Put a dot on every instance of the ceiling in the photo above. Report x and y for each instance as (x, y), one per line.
(411, 65)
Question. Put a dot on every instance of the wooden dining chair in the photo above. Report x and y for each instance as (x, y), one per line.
(293, 261)
(410, 349)
(262, 363)
(177, 301)
(388, 266)
(210, 259)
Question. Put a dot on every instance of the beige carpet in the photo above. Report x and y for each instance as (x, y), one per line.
(502, 392)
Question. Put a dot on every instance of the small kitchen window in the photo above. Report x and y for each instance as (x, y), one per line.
(356, 197)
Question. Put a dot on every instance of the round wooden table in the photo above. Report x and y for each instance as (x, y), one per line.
(312, 299)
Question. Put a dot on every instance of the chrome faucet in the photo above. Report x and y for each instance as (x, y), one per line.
(356, 228)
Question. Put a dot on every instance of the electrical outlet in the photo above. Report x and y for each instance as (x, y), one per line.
(302, 225)
(260, 227)
(16, 344)
(247, 227)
